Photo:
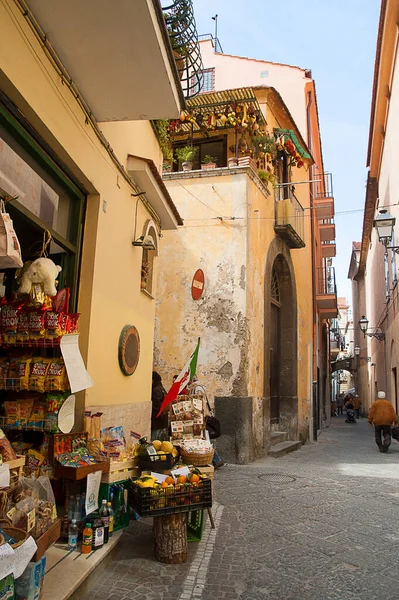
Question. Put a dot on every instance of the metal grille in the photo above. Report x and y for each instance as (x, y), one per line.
(275, 287)
(277, 478)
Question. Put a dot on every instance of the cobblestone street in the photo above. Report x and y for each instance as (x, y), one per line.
(329, 532)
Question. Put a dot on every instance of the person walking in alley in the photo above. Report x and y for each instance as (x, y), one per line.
(159, 426)
(356, 405)
(340, 403)
(382, 415)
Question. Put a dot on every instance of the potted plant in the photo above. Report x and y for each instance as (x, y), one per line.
(186, 155)
(208, 162)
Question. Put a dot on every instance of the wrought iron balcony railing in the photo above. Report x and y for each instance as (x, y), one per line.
(180, 21)
(290, 217)
(325, 281)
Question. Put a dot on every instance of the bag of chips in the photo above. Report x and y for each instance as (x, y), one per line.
(37, 327)
(33, 461)
(9, 322)
(54, 401)
(23, 372)
(36, 419)
(11, 412)
(23, 327)
(53, 325)
(73, 322)
(24, 410)
(4, 368)
(38, 372)
(56, 374)
(12, 373)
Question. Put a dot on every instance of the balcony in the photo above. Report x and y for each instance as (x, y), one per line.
(327, 230)
(323, 198)
(328, 249)
(326, 293)
(290, 218)
(119, 54)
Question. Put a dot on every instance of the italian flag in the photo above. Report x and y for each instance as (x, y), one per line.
(183, 379)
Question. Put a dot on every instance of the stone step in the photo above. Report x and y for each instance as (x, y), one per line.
(283, 448)
(277, 437)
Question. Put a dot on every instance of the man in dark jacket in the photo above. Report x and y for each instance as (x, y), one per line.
(159, 426)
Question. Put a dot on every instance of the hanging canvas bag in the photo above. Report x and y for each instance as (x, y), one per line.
(10, 250)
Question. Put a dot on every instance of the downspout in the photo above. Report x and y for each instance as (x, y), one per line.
(312, 214)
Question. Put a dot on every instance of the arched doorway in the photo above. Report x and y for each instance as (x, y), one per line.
(281, 400)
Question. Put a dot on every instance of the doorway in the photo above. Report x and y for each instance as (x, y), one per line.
(395, 389)
(275, 354)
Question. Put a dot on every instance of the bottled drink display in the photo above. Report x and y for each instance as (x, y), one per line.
(104, 516)
(87, 542)
(98, 533)
(111, 519)
(73, 535)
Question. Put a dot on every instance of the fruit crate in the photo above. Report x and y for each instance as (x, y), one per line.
(195, 525)
(155, 463)
(120, 508)
(156, 502)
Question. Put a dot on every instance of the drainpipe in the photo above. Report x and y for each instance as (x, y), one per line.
(315, 388)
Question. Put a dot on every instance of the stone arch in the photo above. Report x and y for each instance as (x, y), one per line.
(279, 262)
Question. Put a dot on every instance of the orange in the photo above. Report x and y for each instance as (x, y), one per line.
(193, 478)
(164, 484)
(169, 480)
(182, 479)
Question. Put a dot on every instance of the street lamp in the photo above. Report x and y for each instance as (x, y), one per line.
(384, 224)
(364, 325)
(357, 353)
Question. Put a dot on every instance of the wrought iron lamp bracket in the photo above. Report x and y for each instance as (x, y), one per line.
(378, 335)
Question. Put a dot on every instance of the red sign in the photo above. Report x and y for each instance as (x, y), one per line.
(197, 286)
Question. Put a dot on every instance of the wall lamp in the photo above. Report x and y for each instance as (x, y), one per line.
(145, 241)
(357, 353)
(384, 224)
(364, 325)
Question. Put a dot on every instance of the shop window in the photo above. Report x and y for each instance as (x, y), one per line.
(149, 260)
(217, 148)
(46, 201)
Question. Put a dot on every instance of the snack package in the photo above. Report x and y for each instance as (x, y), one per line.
(11, 413)
(37, 326)
(113, 439)
(73, 323)
(29, 585)
(95, 448)
(54, 401)
(56, 374)
(38, 372)
(33, 461)
(6, 450)
(46, 512)
(21, 509)
(36, 419)
(96, 425)
(53, 325)
(4, 368)
(87, 421)
(23, 372)
(23, 327)
(21, 448)
(9, 322)
(24, 410)
(12, 372)
(45, 446)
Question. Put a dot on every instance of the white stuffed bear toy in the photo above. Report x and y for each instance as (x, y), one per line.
(42, 270)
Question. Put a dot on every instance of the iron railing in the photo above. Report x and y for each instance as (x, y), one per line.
(325, 281)
(322, 186)
(180, 22)
(295, 216)
(215, 40)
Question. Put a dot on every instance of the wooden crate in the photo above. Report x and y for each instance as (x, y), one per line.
(16, 467)
(77, 473)
(46, 540)
(121, 465)
(121, 475)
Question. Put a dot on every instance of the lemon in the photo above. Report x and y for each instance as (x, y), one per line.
(157, 444)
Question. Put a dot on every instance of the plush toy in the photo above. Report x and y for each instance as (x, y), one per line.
(42, 270)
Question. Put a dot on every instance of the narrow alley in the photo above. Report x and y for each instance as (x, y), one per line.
(320, 523)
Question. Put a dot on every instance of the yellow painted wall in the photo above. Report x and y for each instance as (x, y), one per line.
(109, 293)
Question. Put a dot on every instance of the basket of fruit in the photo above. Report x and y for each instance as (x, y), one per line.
(151, 498)
(196, 459)
(163, 460)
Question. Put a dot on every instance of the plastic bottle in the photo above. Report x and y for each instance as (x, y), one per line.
(104, 516)
(73, 535)
(71, 508)
(87, 543)
(98, 533)
(111, 519)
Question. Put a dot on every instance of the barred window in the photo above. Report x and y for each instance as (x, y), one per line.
(208, 82)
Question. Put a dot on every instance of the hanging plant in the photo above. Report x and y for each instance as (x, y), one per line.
(163, 129)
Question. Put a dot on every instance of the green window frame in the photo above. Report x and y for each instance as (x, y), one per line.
(10, 120)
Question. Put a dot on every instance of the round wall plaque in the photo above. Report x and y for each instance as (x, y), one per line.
(129, 350)
(197, 286)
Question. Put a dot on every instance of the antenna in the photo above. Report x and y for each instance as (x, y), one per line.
(215, 18)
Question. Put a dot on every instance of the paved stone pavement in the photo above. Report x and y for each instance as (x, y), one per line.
(330, 533)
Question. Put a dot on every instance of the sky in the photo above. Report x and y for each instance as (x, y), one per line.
(337, 41)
